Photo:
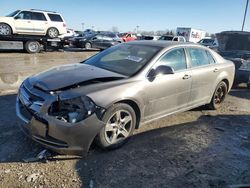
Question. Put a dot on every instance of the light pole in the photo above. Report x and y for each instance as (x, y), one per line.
(82, 26)
(137, 29)
(243, 24)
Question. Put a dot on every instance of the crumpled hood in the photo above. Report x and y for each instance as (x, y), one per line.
(71, 76)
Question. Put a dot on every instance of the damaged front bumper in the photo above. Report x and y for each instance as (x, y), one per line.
(62, 137)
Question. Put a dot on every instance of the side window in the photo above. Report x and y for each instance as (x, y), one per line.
(38, 16)
(210, 58)
(175, 59)
(55, 17)
(24, 15)
(198, 57)
(107, 38)
(97, 37)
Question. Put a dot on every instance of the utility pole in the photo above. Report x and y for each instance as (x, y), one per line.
(243, 24)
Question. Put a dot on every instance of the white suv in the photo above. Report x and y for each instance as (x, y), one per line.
(33, 22)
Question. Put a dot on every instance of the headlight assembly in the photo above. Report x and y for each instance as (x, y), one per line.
(73, 110)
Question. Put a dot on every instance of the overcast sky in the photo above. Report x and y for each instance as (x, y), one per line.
(210, 15)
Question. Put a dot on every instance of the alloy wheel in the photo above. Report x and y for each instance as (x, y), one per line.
(5, 29)
(118, 126)
(53, 33)
(220, 94)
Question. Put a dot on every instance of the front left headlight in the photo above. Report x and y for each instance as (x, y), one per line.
(74, 110)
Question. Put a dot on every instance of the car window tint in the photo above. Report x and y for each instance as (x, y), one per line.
(198, 57)
(97, 37)
(38, 16)
(175, 59)
(24, 15)
(107, 38)
(210, 58)
(55, 17)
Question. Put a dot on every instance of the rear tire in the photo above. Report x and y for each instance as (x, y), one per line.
(120, 122)
(88, 45)
(52, 32)
(218, 96)
(32, 47)
(5, 29)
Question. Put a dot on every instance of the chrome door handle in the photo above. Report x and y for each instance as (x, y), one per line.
(216, 70)
(186, 76)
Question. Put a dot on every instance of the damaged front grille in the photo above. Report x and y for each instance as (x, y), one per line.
(30, 104)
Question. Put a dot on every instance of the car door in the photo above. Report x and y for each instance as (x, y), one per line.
(23, 22)
(40, 22)
(107, 41)
(171, 92)
(96, 41)
(204, 74)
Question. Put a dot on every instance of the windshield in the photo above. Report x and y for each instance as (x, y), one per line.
(125, 59)
(13, 13)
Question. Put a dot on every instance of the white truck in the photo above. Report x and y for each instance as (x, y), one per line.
(191, 34)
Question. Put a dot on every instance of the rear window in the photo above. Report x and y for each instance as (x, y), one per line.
(199, 57)
(55, 17)
(38, 16)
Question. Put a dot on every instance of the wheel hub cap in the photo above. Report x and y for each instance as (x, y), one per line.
(118, 126)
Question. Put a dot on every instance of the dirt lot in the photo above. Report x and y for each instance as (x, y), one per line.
(198, 148)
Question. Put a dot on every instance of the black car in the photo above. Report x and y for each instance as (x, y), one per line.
(98, 40)
(235, 46)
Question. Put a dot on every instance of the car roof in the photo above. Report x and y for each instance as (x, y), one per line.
(39, 10)
(164, 44)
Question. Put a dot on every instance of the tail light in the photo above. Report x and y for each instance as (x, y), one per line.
(64, 25)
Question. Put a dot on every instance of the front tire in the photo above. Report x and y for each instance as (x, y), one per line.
(52, 32)
(120, 122)
(218, 96)
(5, 29)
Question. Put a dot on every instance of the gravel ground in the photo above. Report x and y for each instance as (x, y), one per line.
(198, 148)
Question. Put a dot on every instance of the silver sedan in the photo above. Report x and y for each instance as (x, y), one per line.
(106, 97)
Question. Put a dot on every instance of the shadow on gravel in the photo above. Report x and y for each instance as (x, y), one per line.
(211, 152)
(14, 145)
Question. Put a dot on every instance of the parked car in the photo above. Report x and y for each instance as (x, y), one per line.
(128, 37)
(173, 38)
(70, 33)
(33, 22)
(100, 41)
(235, 46)
(209, 42)
(148, 37)
(108, 96)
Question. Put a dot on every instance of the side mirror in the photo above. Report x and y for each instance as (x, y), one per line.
(160, 70)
